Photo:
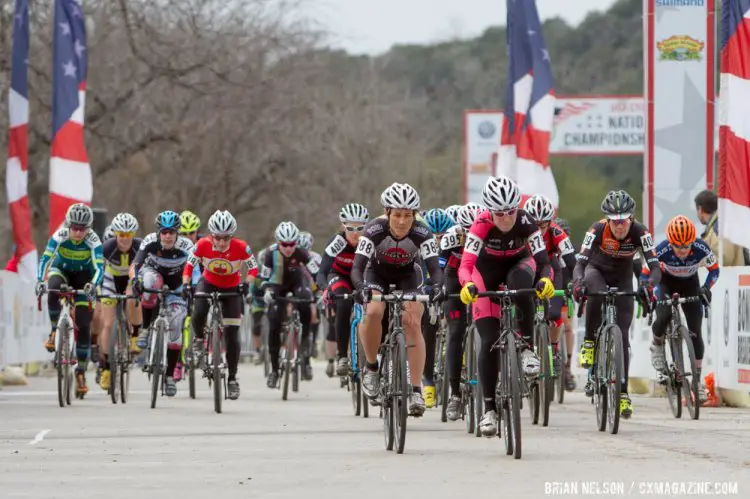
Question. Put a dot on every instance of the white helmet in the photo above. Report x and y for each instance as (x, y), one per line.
(540, 208)
(287, 232)
(222, 223)
(400, 196)
(79, 214)
(306, 240)
(124, 222)
(453, 211)
(500, 194)
(467, 214)
(353, 212)
(109, 233)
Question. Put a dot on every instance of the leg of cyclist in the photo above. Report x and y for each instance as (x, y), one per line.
(135, 319)
(594, 282)
(429, 334)
(276, 317)
(521, 276)
(151, 279)
(54, 281)
(371, 333)
(570, 381)
(555, 316)
(107, 310)
(625, 307)
(231, 310)
(83, 323)
(343, 313)
(177, 314)
(694, 318)
(659, 327)
(455, 312)
(306, 341)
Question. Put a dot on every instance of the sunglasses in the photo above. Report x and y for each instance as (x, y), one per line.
(619, 222)
(506, 213)
(124, 234)
(287, 245)
(682, 246)
(221, 238)
(358, 228)
(543, 225)
(168, 232)
(78, 228)
(190, 233)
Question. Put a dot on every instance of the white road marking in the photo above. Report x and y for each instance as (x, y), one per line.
(39, 437)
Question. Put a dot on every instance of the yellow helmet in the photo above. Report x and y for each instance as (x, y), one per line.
(189, 222)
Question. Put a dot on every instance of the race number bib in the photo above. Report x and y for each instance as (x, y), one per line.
(647, 242)
(473, 244)
(588, 241)
(337, 246)
(566, 247)
(365, 247)
(428, 248)
(536, 243)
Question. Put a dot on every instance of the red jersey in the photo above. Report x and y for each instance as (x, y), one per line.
(221, 269)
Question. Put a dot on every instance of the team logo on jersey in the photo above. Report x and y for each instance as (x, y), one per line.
(219, 266)
(397, 256)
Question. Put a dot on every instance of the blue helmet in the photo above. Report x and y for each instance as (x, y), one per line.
(438, 220)
(168, 220)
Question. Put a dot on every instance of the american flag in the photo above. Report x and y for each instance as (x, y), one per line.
(530, 104)
(16, 176)
(571, 109)
(734, 128)
(70, 174)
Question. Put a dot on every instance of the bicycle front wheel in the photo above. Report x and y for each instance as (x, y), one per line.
(689, 375)
(124, 361)
(387, 402)
(157, 368)
(114, 358)
(402, 388)
(355, 384)
(62, 363)
(514, 400)
(614, 377)
(674, 369)
(287, 363)
(216, 367)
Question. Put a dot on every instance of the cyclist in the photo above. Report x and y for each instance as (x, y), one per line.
(108, 234)
(258, 309)
(452, 211)
(335, 278)
(74, 257)
(159, 262)
(503, 246)
(451, 251)
(283, 273)
(222, 256)
(386, 254)
(681, 255)
(189, 225)
(306, 242)
(542, 212)
(606, 259)
(118, 253)
(570, 381)
(438, 221)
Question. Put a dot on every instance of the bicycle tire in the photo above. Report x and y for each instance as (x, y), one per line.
(439, 368)
(476, 387)
(673, 352)
(547, 383)
(467, 388)
(560, 380)
(61, 363)
(216, 367)
(297, 361)
(403, 387)
(515, 396)
(615, 371)
(386, 403)
(501, 401)
(266, 353)
(691, 386)
(353, 381)
(444, 389)
(360, 367)
(601, 387)
(535, 395)
(287, 365)
(156, 364)
(125, 361)
(190, 365)
(114, 358)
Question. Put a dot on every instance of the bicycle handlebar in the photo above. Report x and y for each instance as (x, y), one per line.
(397, 298)
(164, 291)
(66, 292)
(676, 299)
(293, 299)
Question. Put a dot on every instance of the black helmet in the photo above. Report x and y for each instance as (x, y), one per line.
(564, 225)
(618, 204)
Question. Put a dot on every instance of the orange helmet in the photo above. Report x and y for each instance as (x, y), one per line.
(680, 231)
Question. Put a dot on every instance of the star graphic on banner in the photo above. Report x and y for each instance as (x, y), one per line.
(660, 11)
(69, 69)
(545, 54)
(19, 18)
(65, 28)
(76, 10)
(79, 48)
(531, 32)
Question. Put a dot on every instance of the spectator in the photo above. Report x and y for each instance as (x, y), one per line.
(706, 207)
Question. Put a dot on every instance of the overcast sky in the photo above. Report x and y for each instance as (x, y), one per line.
(373, 26)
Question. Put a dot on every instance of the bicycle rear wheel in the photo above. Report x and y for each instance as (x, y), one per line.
(615, 372)
(515, 396)
(690, 379)
(402, 388)
(157, 368)
(216, 367)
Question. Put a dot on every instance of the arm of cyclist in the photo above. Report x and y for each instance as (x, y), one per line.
(147, 244)
(544, 286)
(49, 253)
(648, 250)
(97, 259)
(430, 256)
(709, 261)
(591, 242)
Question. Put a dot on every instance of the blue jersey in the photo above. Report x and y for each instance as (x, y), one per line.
(700, 256)
(67, 255)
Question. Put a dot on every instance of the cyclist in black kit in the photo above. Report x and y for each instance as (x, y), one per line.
(391, 245)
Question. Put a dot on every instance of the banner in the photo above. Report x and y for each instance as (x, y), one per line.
(482, 131)
(680, 114)
(23, 328)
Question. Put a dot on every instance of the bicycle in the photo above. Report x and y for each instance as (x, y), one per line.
(542, 388)
(65, 340)
(607, 371)
(356, 361)
(511, 385)
(214, 368)
(189, 359)
(119, 352)
(289, 358)
(559, 387)
(393, 373)
(441, 381)
(156, 363)
(679, 382)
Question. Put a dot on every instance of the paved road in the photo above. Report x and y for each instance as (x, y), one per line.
(312, 446)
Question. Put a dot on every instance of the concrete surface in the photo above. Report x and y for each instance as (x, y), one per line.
(313, 447)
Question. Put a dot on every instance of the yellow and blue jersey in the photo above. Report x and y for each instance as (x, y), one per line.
(63, 255)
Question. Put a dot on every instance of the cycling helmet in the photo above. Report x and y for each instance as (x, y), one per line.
(400, 196)
(79, 214)
(306, 240)
(438, 220)
(618, 205)
(453, 211)
(467, 214)
(168, 220)
(109, 233)
(221, 223)
(680, 231)
(353, 213)
(501, 194)
(540, 208)
(564, 225)
(287, 232)
(124, 222)
(189, 222)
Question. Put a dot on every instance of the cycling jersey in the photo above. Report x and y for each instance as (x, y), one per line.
(603, 251)
(63, 255)
(117, 264)
(559, 246)
(395, 258)
(285, 271)
(486, 244)
(338, 258)
(452, 249)
(700, 256)
(221, 269)
(167, 262)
